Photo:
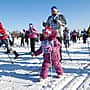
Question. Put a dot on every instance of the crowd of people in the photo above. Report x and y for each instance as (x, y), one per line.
(55, 31)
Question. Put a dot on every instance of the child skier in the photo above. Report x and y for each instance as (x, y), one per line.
(50, 48)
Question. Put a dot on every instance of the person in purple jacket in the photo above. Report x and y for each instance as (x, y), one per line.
(50, 48)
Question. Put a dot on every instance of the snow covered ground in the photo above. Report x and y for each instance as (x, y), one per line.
(23, 74)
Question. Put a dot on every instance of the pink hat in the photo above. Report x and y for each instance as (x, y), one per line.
(48, 30)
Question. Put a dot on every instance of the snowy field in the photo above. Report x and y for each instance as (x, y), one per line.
(23, 74)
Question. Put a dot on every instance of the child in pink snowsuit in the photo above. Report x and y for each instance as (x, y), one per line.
(50, 48)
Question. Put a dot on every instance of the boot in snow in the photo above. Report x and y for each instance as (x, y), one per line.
(16, 54)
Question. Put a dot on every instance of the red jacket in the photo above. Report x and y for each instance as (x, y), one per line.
(3, 34)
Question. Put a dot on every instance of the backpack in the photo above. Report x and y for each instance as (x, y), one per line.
(62, 19)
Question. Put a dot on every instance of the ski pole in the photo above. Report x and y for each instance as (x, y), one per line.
(10, 58)
(68, 54)
(88, 46)
(50, 68)
(50, 72)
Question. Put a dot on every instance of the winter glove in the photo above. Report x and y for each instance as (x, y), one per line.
(49, 49)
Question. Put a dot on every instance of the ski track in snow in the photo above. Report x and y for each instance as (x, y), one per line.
(23, 73)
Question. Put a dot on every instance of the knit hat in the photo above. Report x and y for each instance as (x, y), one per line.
(48, 30)
(54, 8)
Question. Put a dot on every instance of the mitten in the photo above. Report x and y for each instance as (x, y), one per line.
(49, 49)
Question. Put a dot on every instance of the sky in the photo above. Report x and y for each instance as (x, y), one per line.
(17, 14)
